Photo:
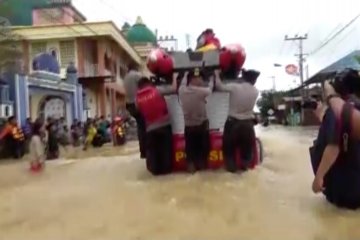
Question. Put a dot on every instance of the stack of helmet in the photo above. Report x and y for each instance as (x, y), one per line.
(231, 57)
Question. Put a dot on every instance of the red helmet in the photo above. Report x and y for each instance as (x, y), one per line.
(232, 58)
(160, 63)
(117, 119)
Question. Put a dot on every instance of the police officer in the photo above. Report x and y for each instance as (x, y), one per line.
(131, 81)
(239, 130)
(151, 104)
(193, 93)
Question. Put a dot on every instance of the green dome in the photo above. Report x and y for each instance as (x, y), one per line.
(139, 33)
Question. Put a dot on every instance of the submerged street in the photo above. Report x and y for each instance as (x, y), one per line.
(115, 198)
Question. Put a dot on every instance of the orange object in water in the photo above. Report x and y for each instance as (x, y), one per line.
(36, 167)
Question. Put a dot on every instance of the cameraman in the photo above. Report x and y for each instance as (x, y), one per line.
(337, 105)
(335, 157)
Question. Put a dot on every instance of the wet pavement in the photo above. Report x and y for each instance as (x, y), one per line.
(115, 198)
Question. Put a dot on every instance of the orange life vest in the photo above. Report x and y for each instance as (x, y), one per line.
(152, 105)
(17, 133)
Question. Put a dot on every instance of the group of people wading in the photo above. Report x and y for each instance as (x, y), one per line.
(42, 139)
(147, 104)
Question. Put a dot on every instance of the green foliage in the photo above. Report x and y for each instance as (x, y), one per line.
(10, 50)
(19, 12)
(269, 100)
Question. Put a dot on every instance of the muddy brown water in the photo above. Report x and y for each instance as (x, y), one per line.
(115, 198)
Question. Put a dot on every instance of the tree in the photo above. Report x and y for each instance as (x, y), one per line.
(10, 52)
(269, 100)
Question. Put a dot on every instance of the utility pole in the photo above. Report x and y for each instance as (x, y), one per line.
(273, 83)
(187, 38)
(300, 55)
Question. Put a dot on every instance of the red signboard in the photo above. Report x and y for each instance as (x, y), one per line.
(291, 69)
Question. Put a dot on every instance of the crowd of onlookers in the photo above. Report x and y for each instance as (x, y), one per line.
(16, 140)
(59, 133)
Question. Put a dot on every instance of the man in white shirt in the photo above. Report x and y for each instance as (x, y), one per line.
(131, 85)
(239, 132)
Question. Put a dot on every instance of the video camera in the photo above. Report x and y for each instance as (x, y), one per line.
(311, 103)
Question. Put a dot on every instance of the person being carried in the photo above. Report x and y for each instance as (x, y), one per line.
(193, 94)
(151, 104)
(239, 132)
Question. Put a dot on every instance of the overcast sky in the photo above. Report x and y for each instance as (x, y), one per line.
(259, 25)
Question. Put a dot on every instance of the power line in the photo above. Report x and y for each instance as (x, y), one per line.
(117, 12)
(113, 8)
(336, 45)
(335, 35)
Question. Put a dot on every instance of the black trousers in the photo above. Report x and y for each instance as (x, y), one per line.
(159, 150)
(197, 145)
(141, 127)
(238, 134)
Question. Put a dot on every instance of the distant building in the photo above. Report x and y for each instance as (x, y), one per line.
(141, 38)
(20, 12)
(99, 51)
(351, 60)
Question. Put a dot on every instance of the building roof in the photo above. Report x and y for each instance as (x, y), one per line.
(351, 60)
(59, 5)
(140, 33)
(85, 29)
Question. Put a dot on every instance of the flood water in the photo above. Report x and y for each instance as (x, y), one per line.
(115, 198)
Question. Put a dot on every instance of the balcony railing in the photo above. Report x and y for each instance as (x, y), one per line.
(90, 70)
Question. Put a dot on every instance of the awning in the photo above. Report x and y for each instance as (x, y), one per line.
(351, 60)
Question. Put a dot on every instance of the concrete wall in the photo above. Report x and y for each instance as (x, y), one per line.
(64, 15)
(34, 105)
